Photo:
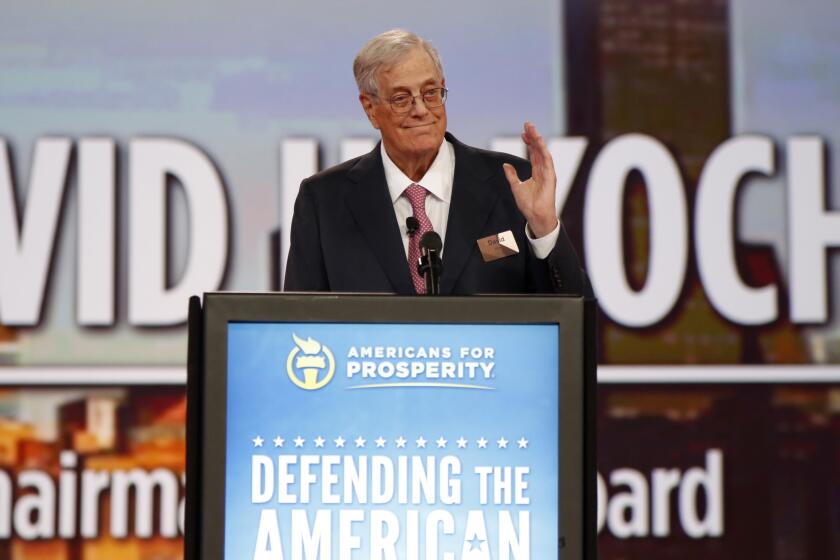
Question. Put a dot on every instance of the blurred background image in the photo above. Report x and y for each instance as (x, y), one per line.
(717, 437)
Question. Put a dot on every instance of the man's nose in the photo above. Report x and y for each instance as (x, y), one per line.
(418, 106)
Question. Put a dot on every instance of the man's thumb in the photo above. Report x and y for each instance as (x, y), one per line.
(510, 173)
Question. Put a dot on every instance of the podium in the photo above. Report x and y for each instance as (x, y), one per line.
(379, 426)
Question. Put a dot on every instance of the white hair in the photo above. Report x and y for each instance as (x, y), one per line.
(384, 51)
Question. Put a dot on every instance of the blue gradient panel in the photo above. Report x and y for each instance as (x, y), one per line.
(458, 397)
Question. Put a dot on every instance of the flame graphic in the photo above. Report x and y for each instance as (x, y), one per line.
(309, 346)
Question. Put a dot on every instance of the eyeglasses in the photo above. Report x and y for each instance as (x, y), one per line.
(403, 102)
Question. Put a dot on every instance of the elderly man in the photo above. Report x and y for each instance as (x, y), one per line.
(349, 231)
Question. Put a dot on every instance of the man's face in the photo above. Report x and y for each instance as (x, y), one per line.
(419, 132)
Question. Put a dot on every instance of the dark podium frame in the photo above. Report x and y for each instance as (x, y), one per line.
(207, 398)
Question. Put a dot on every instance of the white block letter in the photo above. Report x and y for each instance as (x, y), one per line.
(811, 230)
(26, 252)
(41, 503)
(262, 479)
(511, 540)
(384, 532)
(151, 301)
(268, 545)
(95, 270)
(603, 230)
(711, 480)
(628, 511)
(714, 235)
(311, 542)
(347, 541)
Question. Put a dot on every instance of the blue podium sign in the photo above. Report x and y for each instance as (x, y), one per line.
(392, 441)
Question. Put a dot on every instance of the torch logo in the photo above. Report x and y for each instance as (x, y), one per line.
(310, 364)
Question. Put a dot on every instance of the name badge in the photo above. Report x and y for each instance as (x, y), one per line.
(494, 247)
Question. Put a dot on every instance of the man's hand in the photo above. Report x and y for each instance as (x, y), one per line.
(535, 196)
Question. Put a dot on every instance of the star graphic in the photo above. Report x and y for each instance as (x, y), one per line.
(475, 543)
(400, 442)
(482, 443)
(278, 441)
(258, 441)
(502, 442)
(339, 441)
(360, 441)
(441, 442)
(523, 443)
(319, 441)
(380, 441)
(462, 443)
(299, 441)
(421, 442)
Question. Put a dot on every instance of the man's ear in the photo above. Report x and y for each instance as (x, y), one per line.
(367, 105)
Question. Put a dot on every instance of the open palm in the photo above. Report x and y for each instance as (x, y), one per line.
(535, 196)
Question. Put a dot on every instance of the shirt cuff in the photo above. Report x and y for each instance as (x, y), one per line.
(543, 246)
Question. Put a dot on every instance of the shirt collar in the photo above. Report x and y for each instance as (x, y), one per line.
(437, 180)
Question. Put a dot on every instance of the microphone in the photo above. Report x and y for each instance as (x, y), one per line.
(430, 265)
(411, 225)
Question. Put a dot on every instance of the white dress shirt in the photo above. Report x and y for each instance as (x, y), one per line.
(438, 181)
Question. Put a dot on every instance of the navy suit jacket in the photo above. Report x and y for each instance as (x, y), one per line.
(345, 236)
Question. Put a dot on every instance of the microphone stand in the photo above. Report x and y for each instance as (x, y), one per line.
(430, 265)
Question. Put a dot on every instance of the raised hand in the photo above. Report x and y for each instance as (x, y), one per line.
(535, 196)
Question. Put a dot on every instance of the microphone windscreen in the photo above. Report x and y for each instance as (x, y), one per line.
(431, 241)
(411, 225)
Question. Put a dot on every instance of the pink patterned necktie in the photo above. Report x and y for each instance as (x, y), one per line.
(416, 195)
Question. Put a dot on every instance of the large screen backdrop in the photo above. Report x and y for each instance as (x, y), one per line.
(153, 152)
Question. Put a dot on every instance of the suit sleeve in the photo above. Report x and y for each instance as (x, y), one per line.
(559, 273)
(305, 271)
(564, 270)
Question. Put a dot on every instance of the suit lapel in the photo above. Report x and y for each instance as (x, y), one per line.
(370, 203)
(473, 198)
